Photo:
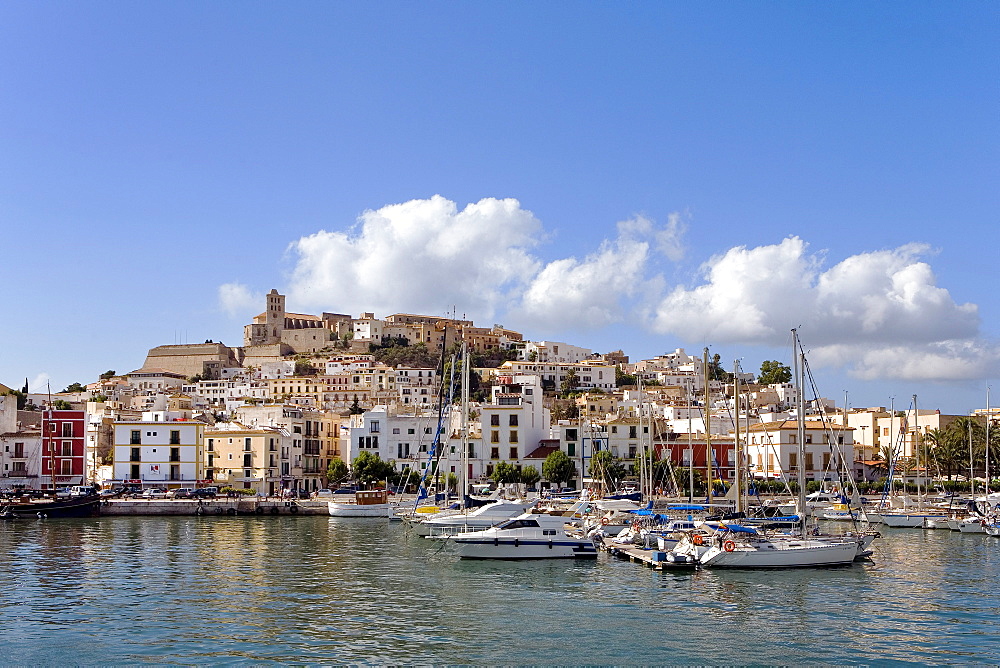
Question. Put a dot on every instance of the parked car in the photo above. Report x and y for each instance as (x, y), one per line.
(205, 493)
(154, 493)
(181, 493)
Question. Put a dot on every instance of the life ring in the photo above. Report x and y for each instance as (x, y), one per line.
(293, 509)
(729, 546)
(259, 510)
(199, 511)
(274, 510)
(219, 510)
(605, 521)
(697, 539)
(231, 511)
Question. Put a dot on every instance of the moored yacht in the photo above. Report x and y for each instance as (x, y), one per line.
(532, 535)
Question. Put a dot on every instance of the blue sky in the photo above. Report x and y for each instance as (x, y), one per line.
(643, 176)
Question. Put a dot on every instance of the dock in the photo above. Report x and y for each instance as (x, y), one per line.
(647, 557)
(214, 507)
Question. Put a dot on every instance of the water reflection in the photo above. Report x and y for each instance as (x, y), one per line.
(327, 590)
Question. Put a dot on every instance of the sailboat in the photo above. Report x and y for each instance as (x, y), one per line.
(737, 546)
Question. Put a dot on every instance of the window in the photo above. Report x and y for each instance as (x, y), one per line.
(248, 459)
(211, 460)
(495, 420)
(826, 461)
(66, 467)
(792, 439)
(571, 434)
(614, 429)
(211, 444)
(513, 453)
(809, 461)
(512, 420)
(494, 453)
(175, 437)
(411, 431)
(19, 450)
(632, 432)
(134, 456)
(67, 448)
(793, 460)
(246, 443)
(247, 473)
(571, 449)
(67, 429)
(513, 436)
(395, 430)
(373, 427)
(809, 438)
(134, 468)
(136, 438)
(175, 454)
(495, 436)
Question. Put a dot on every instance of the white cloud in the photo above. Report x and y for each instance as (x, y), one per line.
(423, 256)
(40, 383)
(879, 313)
(237, 299)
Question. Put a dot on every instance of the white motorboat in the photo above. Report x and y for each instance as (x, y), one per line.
(532, 535)
(744, 547)
(373, 503)
(476, 519)
(840, 512)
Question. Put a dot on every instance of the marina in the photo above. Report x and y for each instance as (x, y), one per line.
(321, 589)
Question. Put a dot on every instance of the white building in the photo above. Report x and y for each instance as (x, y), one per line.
(553, 351)
(158, 451)
(773, 450)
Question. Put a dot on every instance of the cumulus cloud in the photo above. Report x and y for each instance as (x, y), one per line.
(881, 313)
(237, 299)
(421, 255)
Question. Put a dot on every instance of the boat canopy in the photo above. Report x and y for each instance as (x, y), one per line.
(737, 528)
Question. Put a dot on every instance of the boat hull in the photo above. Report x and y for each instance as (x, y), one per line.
(794, 554)
(356, 510)
(523, 549)
(85, 506)
(900, 520)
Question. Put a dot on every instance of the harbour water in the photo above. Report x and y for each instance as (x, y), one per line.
(320, 590)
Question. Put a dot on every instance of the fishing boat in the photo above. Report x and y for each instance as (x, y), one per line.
(372, 503)
(75, 506)
(532, 535)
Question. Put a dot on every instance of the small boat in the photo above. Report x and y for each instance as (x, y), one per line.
(840, 512)
(372, 503)
(532, 535)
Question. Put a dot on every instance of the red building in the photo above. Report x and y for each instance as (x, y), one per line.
(63, 448)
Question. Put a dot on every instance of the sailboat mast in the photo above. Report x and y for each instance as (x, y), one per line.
(737, 467)
(800, 424)
(916, 443)
(987, 440)
(708, 433)
(464, 461)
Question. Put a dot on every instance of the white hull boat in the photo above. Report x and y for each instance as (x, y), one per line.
(528, 536)
(914, 520)
(372, 503)
(478, 519)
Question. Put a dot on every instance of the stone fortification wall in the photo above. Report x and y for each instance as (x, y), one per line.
(191, 358)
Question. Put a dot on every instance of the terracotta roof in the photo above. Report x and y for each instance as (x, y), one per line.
(542, 451)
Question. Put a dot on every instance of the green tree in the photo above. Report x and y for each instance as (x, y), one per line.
(623, 379)
(558, 467)
(505, 473)
(570, 382)
(416, 356)
(530, 476)
(716, 371)
(62, 405)
(356, 408)
(304, 368)
(75, 387)
(337, 471)
(607, 468)
(369, 467)
(772, 371)
(110, 373)
(451, 481)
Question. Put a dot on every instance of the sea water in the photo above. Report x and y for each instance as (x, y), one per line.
(320, 590)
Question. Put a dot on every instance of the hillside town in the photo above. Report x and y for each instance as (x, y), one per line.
(275, 415)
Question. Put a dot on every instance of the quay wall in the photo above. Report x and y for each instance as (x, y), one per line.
(213, 507)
